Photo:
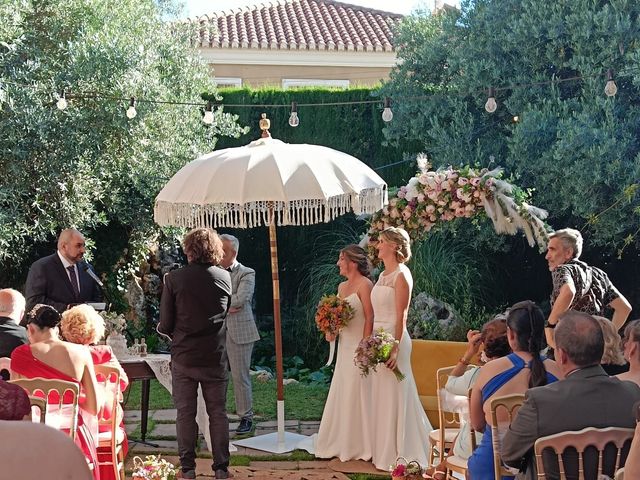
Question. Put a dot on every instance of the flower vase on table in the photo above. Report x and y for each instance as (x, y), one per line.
(153, 468)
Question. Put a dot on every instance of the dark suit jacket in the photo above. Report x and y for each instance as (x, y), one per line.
(48, 282)
(12, 335)
(586, 398)
(194, 303)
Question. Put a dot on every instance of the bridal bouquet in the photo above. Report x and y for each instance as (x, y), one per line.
(153, 468)
(333, 314)
(375, 349)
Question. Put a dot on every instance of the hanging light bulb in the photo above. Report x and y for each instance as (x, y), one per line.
(387, 114)
(207, 118)
(294, 121)
(131, 111)
(62, 101)
(491, 104)
(610, 89)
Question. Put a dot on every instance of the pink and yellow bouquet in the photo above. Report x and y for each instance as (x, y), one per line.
(333, 314)
(373, 350)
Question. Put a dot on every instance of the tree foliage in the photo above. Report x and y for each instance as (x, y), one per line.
(576, 147)
(89, 166)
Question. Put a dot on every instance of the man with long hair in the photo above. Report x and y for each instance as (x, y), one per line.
(193, 307)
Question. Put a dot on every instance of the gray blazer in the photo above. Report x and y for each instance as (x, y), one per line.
(586, 398)
(241, 326)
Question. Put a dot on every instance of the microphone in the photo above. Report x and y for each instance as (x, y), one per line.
(95, 278)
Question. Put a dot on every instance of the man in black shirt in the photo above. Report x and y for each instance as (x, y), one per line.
(193, 307)
(12, 335)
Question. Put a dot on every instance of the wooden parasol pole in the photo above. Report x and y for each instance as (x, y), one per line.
(277, 324)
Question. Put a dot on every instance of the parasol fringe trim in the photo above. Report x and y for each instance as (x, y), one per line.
(255, 214)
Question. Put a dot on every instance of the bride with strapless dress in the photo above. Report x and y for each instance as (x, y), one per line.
(345, 427)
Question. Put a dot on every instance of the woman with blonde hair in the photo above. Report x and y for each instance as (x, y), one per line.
(400, 427)
(84, 326)
(613, 361)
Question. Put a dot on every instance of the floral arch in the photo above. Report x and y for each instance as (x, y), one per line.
(449, 193)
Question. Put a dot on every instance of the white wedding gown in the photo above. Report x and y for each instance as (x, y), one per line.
(399, 425)
(345, 429)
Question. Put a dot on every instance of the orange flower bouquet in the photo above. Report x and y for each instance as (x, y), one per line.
(333, 314)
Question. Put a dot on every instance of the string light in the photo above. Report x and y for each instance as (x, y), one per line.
(610, 89)
(491, 104)
(516, 118)
(62, 101)
(387, 114)
(131, 111)
(207, 118)
(294, 121)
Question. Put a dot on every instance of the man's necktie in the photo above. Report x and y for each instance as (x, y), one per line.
(74, 280)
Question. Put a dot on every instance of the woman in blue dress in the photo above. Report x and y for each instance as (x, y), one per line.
(515, 373)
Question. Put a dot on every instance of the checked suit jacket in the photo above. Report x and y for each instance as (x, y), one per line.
(241, 326)
(48, 283)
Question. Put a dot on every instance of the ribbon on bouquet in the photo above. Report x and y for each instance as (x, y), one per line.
(332, 351)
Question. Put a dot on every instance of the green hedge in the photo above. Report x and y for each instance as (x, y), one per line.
(353, 129)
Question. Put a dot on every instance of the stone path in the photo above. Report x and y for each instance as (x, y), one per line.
(164, 435)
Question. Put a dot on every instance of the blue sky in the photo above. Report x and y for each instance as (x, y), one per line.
(198, 7)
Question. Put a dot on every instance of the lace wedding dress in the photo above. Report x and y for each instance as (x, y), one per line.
(399, 425)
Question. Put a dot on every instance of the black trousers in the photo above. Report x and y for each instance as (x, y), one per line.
(185, 381)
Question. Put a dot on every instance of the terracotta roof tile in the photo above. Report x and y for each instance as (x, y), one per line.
(298, 25)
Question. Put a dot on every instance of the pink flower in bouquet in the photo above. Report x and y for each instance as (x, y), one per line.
(475, 181)
(430, 209)
(462, 181)
(402, 193)
(373, 350)
(420, 197)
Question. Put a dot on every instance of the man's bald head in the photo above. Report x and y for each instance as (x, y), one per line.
(71, 245)
(11, 304)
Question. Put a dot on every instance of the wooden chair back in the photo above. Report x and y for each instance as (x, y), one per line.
(61, 399)
(448, 417)
(569, 449)
(108, 379)
(509, 404)
(40, 404)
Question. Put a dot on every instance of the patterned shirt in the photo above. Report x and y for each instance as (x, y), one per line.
(594, 290)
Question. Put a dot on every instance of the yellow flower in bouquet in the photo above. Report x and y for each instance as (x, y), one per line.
(333, 314)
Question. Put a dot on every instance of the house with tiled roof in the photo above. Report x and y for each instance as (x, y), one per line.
(291, 43)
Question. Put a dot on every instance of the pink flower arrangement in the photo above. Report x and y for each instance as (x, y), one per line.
(153, 468)
(431, 197)
(406, 470)
(373, 350)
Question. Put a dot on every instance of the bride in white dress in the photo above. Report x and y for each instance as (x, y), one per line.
(345, 429)
(399, 425)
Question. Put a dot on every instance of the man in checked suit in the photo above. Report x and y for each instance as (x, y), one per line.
(62, 279)
(241, 330)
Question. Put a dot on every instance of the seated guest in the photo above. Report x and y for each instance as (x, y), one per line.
(49, 357)
(494, 344)
(587, 397)
(12, 334)
(84, 326)
(14, 402)
(632, 352)
(515, 373)
(612, 361)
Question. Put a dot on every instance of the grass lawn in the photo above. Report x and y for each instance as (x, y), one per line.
(302, 402)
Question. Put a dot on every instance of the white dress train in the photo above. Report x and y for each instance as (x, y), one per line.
(345, 428)
(399, 425)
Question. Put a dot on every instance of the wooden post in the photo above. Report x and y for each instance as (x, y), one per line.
(277, 324)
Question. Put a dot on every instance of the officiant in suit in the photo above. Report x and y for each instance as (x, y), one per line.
(241, 330)
(61, 279)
